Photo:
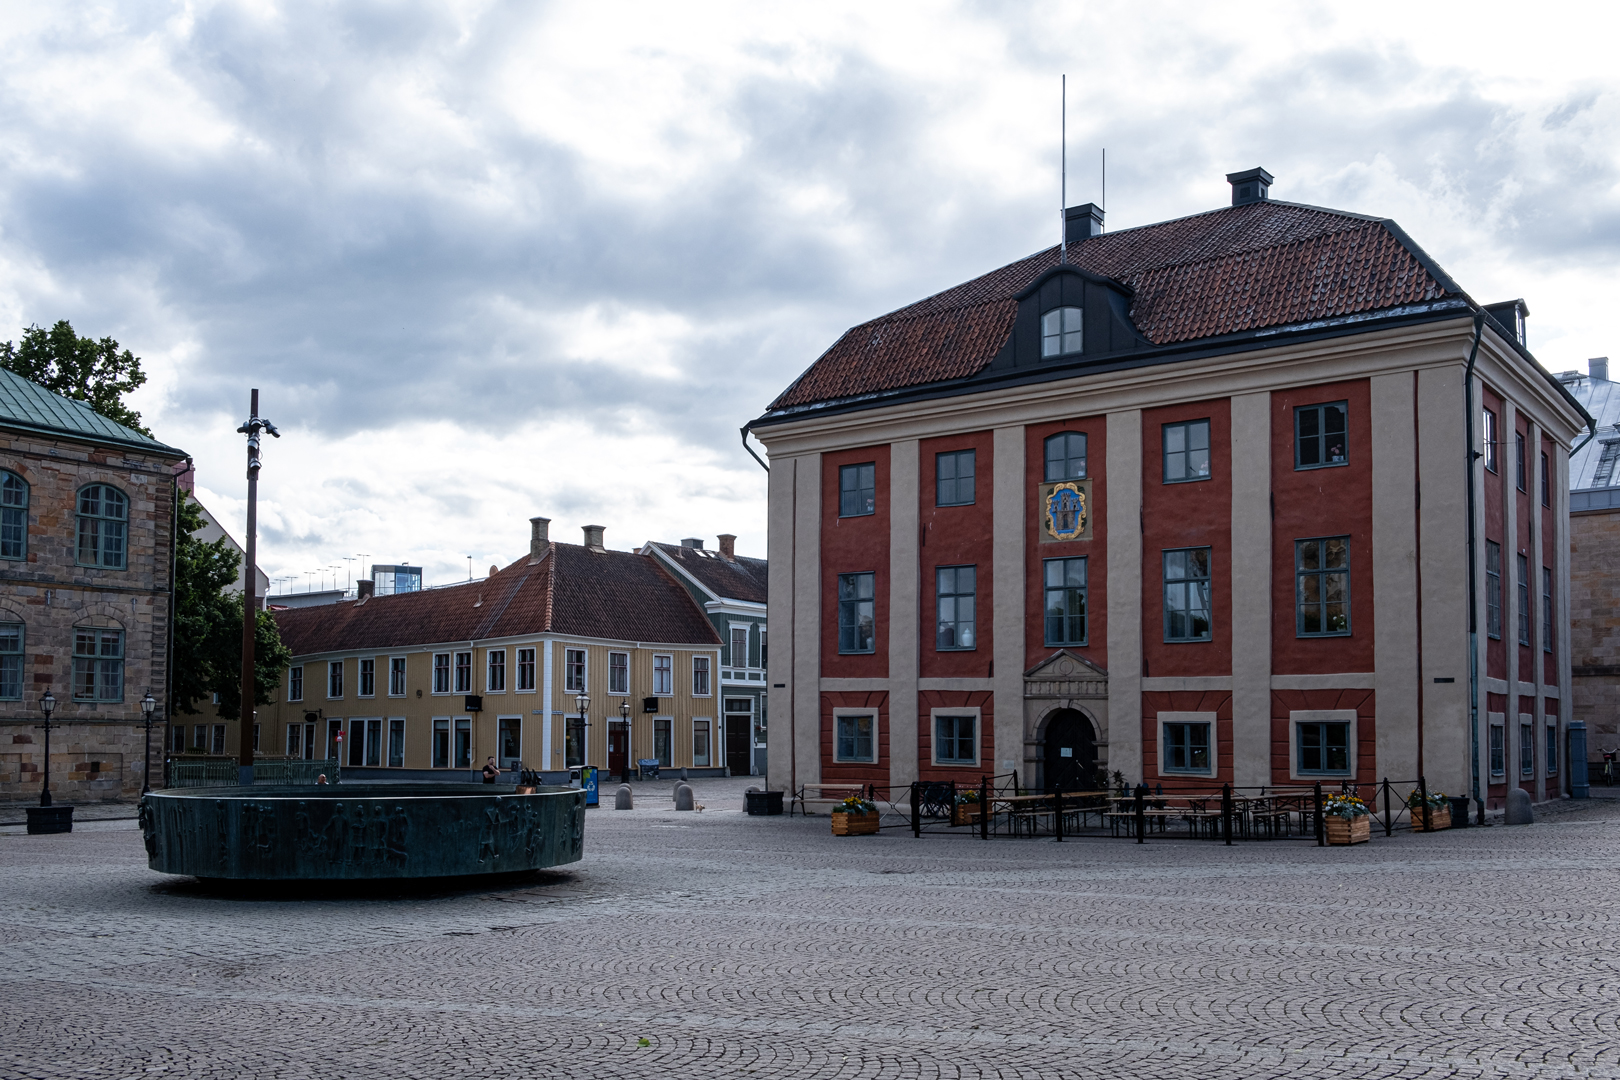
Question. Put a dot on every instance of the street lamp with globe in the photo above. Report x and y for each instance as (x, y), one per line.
(583, 700)
(624, 714)
(47, 705)
(148, 708)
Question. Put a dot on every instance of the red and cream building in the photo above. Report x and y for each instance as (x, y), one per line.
(1203, 500)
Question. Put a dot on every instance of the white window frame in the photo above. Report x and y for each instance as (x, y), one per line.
(877, 736)
(458, 687)
(433, 675)
(404, 676)
(1498, 722)
(334, 665)
(299, 668)
(1214, 742)
(489, 671)
(1527, 722)
(518, 687)
(707, 721)
(360, 677)
(1318, 716)
(388, 743)
(735, 629)
(569, 686)
(667, 688)
(626, 691)
(933, 735)
(709, 675)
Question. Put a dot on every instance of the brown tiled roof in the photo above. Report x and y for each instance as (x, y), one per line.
(1239, 268)
(739, 579)
(572, 591)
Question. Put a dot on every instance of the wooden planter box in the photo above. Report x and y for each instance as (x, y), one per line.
(853, 824)
(1441, 818)
(965, 814)
(1356, 830)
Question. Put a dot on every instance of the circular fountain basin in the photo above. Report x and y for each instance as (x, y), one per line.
(356, 832)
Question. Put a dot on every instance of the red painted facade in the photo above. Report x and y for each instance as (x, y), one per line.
(1495, 532)
(1094, 548)
(851, 545)
(929, 700)
(1218, 702)
(955, 536)
(1285, 702)
(1321, 502)
(852, 772)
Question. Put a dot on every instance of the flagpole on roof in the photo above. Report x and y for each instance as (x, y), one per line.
(1063, 183)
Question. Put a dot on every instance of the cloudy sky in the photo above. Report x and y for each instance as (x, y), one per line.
(492, 260)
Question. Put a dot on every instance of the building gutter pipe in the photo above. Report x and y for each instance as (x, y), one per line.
(1470, 456)
(750, 449)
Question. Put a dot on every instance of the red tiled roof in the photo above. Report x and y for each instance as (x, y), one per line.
(739, 579)
(1238, 268)
(572, 591)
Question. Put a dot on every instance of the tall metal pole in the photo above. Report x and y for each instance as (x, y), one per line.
(250, 591)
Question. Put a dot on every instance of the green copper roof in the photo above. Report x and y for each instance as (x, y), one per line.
(27, 404)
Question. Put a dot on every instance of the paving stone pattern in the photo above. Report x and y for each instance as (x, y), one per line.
(764, 947)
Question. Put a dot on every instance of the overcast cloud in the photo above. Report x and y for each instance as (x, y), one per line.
(492, 260)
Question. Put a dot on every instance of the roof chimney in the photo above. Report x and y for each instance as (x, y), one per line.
(728, 547)
(1082, 222)
(1598, 368)
(539, 531)
(593, 537)
(365, 589)
(1251, 185)
(692, 543)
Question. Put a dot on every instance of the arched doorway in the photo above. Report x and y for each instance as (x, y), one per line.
(1070, 761)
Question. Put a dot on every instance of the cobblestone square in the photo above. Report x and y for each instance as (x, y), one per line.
(713, 944)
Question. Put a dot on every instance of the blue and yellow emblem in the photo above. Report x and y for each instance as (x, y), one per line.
(1065, 511)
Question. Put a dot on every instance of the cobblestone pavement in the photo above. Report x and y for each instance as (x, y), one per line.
(717, 945)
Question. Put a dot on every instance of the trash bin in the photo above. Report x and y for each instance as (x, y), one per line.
(1459, 811)
(587, 780)
(767, 803)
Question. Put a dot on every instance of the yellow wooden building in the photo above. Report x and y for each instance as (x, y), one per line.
(433, 683)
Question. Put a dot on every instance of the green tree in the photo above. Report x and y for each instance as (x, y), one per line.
(208, 625)
(84, 369)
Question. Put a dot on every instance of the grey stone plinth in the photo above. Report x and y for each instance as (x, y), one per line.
(1518, 808)
(622, 799)
(360, 831)
(683, 797)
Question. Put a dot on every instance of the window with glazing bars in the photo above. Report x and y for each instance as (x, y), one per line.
(1186, 747)
(441, 673)
(496, 674)
(700, 676)
(1324, 747)
(1524, 600)
(103, 514)
(853, 738)
(1498, 750)
(396, 676)
(955, 594)
(739, 646)
(1488, 438)
(1546, 481)
(1065, 594)
(618, 673)
(1552, 747)
(953, 740)
(1493, 588)
(98, 664)
(1322, 570)
(1321, 435)
(1186, 451)
(464, 680)
(953, 478)
(295, 683)
(525, 669)
(855, 614)
(368, 677)
(1527, 750)
(857, 490)
(1519, 472)
(1066, 456)
(1062, 332)
(13, 516)
(1186, 594)
(334, 679)
(1546, 610)
(574, 670)
(11, 661)
(663, 676)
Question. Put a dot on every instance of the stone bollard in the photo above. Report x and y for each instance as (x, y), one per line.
(1518, 808)
(622, 799)
(683, 797)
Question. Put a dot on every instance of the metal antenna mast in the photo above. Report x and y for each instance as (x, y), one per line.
(1063, 190)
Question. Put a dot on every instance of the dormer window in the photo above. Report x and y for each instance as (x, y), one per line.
(1060, 332)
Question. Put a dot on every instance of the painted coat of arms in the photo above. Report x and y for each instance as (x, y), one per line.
(1065, 511)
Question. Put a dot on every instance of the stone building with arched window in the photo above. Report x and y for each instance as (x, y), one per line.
(86, 563)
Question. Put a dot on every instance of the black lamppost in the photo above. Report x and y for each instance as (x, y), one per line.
(148, 707)
(584, 703)
(47, 705)
(624, 714)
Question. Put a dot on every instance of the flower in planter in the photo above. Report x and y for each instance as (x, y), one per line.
(970, 797)
(1437, 800)
(1345, 806)
(854, 804)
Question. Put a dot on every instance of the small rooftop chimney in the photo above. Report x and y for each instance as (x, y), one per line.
(692, 543)
(539, 542)
(1082, 222)
(728, 547)
(1598, 368)
(1251, 185)
(593, 537)
(365, 589)
(1510, 316)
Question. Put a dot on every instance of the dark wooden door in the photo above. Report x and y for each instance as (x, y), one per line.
(618, 747)
(739, 752)
(1070, 758)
